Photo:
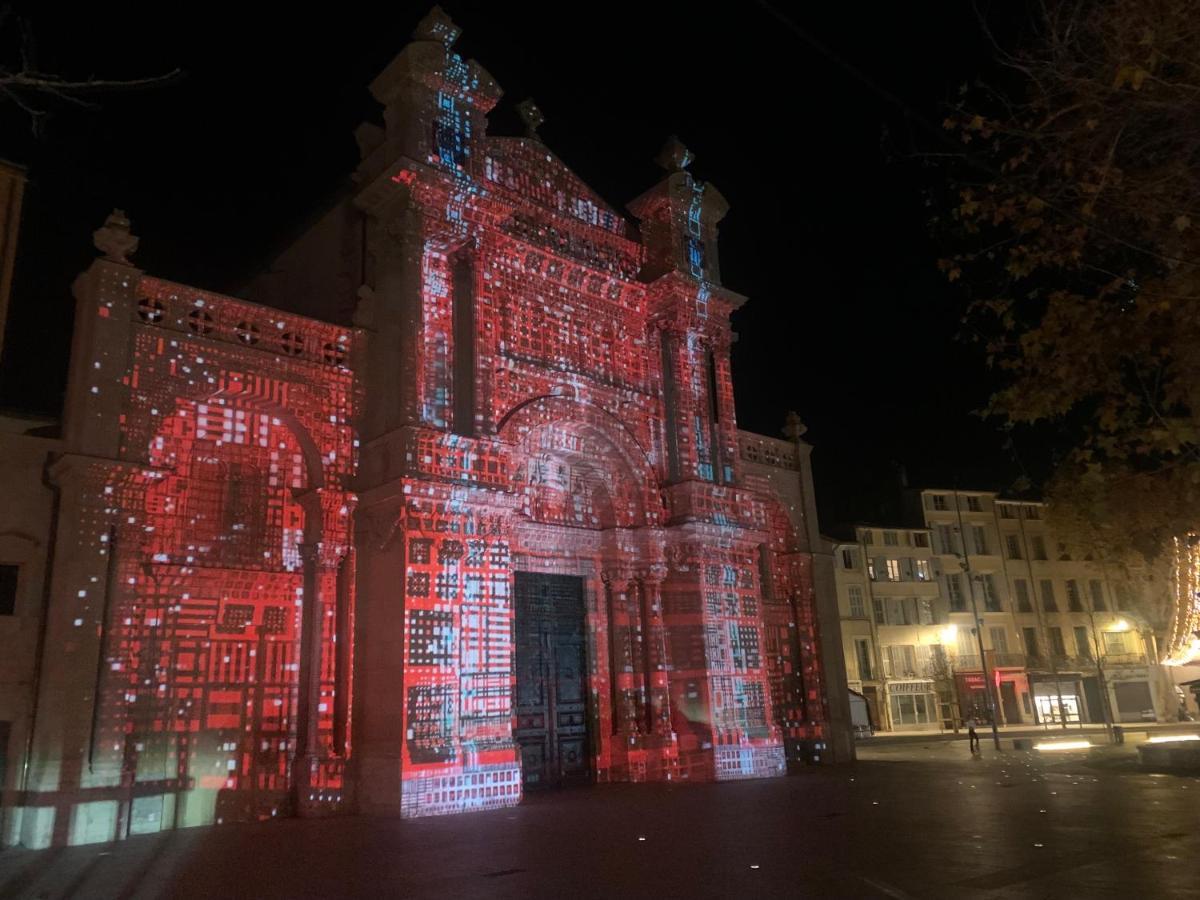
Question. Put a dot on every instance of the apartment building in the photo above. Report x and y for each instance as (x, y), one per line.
(983, 593)
(981, 630)
(1084, 646)
(891, 606)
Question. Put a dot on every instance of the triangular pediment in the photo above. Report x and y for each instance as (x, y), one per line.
(527, 168)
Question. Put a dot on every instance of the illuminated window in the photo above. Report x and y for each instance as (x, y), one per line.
(893, 570)
(1117, 643)
(922, 570)
(913, 709)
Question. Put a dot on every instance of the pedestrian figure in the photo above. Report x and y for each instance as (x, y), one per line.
(972, 736)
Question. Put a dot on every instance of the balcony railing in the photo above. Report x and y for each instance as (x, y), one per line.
(917, 670)
(1006, 660)
(1084, 664)
(1124, 659)
(969, 662)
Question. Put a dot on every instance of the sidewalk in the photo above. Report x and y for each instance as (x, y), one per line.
(1011, 731)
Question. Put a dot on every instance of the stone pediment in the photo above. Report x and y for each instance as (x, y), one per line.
(527, 167)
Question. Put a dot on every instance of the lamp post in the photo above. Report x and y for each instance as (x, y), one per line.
(965, 562)
(1042, 633)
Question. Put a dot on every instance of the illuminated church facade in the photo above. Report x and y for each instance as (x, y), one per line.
(474, 519)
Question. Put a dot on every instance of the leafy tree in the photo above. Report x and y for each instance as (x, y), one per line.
(1075, 208)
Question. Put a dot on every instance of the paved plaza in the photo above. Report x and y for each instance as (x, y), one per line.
(909, 820)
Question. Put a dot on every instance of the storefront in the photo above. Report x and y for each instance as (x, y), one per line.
(1011, 694)
(1057, 701)
(972, 696)
(1131, 694)
(913, 705)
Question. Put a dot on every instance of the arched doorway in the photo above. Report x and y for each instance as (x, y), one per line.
(590, 679)
(218, 581)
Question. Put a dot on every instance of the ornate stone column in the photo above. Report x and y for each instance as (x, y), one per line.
(654, 643)
(622, 677)
(309, 686)
(321, 562)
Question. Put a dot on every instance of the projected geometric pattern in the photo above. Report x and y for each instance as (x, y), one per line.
(538, 387)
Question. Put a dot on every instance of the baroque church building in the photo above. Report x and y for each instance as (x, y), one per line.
(457, 509)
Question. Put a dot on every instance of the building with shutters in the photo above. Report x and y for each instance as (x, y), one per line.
(1061, 640)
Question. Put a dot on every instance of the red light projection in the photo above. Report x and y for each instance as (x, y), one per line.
(570, 438)
(230, 549)
(556, 561)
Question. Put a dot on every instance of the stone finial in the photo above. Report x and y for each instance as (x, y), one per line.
(794, 429)
(674, 156)
(531, 116)
(114, 239)
(437, 26)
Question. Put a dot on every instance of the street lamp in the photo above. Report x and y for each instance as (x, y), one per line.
(964, 563)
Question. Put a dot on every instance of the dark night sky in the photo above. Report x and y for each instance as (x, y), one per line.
(849, 321)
